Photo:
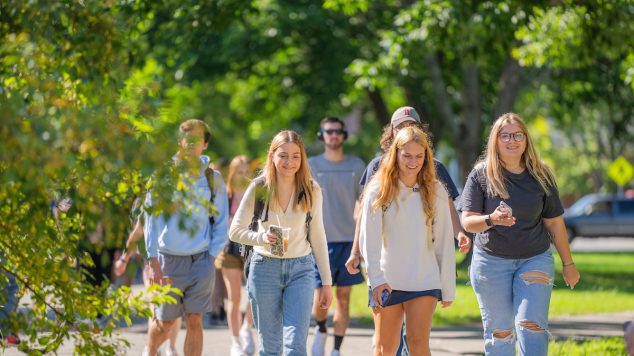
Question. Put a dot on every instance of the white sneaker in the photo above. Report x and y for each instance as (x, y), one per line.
(169, 351)
(236, 349)
(162, 349)
(248, 345)
(145, 352)
(319, 343)
(335, 353)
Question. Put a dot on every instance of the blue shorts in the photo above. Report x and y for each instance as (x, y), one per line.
(338, 254)
(401, 296)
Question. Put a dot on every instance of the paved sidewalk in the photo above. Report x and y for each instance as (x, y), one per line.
(467, 340)
(445, 341)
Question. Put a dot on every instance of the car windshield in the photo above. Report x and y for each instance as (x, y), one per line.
(579, 207)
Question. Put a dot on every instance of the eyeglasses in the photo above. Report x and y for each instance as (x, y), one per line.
(333, 131)
(517, 136)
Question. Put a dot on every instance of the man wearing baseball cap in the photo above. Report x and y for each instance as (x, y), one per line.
(403, 117)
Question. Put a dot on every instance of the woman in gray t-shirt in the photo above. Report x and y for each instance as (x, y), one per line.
(511, 202)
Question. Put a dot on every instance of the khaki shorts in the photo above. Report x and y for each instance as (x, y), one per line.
(229, 261)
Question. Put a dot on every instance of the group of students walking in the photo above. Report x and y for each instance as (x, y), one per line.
(311, 221)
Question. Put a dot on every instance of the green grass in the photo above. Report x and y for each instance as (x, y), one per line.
(607, 285)
(605, 347)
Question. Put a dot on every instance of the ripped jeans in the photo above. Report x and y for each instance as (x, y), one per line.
(514, 295)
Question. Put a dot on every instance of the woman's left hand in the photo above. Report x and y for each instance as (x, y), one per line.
(571, 275)
(446, 303)
(325, 297)
(464, 242)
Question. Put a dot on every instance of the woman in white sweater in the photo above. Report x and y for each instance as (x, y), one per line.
(407, 243)
(280, 284)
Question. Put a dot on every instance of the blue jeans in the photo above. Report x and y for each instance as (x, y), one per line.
(509, 297)
(281, 295)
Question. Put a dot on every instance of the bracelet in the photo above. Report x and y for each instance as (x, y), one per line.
(123, 260)
(567, 264)
(355, 253)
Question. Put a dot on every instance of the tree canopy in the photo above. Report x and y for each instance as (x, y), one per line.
(92, 92)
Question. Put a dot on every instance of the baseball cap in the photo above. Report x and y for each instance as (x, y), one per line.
(404, 113)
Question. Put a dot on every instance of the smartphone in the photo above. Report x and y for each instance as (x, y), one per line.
(278, 247)
(384, 297)
(507, 207)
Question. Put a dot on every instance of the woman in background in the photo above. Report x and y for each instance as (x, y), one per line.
(232, 263)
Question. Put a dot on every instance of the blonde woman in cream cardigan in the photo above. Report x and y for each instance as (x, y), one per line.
(407, 243)
(281, 287)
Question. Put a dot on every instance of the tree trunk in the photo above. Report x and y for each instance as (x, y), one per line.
(378, 104)
(508, 87)
(468, 140)
(440, 92)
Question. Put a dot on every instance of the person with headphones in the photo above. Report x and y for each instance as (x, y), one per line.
(338, 176)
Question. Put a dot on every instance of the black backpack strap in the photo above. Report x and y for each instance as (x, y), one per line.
(209, 174)
(303, 195)
(260, 202)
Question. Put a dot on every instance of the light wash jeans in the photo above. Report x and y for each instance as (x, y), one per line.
(281, 295)
(508, 300)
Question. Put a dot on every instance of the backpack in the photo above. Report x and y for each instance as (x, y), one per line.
(209, 174)
(246, 251)
(231, 248)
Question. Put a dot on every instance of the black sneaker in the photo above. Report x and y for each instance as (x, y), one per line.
(222, 314)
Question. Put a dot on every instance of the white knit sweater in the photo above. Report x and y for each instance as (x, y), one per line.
(394, 243)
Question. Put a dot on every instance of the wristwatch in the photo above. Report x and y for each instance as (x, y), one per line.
(488, 221)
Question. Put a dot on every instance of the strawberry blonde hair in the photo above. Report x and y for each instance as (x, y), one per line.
(388, 175)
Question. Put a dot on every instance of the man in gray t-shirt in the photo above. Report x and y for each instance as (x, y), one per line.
(338, 176)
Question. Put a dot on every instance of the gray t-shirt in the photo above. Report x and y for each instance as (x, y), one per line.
(530, 204)
(339, 185)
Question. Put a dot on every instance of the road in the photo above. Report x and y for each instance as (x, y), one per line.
(602, 244)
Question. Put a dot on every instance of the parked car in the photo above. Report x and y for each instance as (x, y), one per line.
(600, 215)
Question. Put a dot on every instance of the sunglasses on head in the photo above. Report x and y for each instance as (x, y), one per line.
(517, 136)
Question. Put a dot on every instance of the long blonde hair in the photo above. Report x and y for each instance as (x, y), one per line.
(388, 174)
(236, 162)
(530, 160)
(303, 179)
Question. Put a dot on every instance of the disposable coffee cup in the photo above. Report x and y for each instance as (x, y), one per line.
(286, 233)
